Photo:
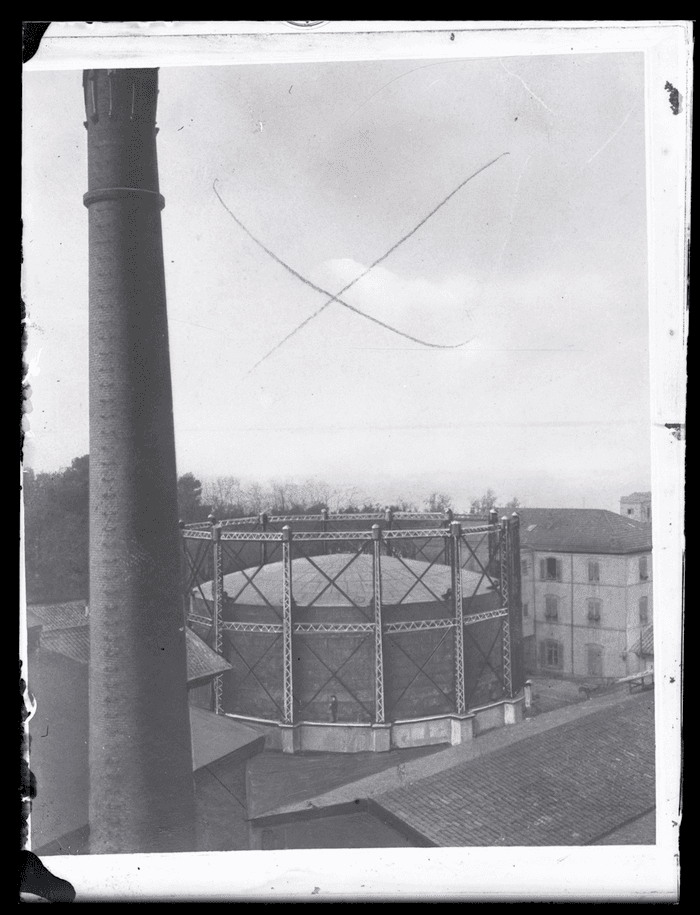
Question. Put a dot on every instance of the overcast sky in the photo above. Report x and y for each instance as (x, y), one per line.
(539, 263)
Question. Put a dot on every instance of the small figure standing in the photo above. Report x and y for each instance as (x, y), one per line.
(334, 708)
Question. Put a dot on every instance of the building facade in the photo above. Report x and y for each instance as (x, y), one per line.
(586, 592)
(636, 506)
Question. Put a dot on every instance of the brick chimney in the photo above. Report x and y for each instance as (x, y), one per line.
(141, 786)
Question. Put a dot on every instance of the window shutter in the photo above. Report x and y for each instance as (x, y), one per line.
(558, 561)
(560, 656)
(543, 654)
(643, 610)
(543, 569)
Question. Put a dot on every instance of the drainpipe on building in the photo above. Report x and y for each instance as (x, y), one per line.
(535, 579)
(573, 664)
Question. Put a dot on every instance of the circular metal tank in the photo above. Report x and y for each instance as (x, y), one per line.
(334, 655)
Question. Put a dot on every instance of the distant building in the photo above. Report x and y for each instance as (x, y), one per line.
(586, 592)
(636, 506)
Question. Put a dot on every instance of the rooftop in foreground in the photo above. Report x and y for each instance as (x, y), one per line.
(583, 774)
(572, 785)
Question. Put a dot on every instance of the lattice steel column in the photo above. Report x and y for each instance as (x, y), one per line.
(449, 517)
(389, 522)
(456, 534)
(493, 542)
(263, 545)
(324, 515)
(218, 645)
(515, 606)
(505, 594)
(378, 647)
(287, 624)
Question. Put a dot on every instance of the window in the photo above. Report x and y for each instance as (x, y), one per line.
(594, 658)
(523, 566)
(550, 569)
(630, 511)
(526, 609)
(643, 611)
(593, 571)
(648, 512)
(551, 607)
(643, 568)
(551, 654)
(593, 611)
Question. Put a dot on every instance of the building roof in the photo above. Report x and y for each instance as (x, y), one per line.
(65, 631)
(202, 661)
(570, 785)
(637, 497)
(582, 530)
(72, 643)
(339, 580)
(58, 616)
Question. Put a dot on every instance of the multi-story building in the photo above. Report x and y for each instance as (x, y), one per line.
(586, 591)
(636, 506)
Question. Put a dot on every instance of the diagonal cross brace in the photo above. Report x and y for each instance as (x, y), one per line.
(334, 674)
(251, 669)
(421, 669)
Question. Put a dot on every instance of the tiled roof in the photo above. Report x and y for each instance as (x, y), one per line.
(73, 643)
(352, 581)
(582, 530)
(637, 497)
(202, 661)
(58, 616)
(644, 646)
(567, 786)
(66, 632)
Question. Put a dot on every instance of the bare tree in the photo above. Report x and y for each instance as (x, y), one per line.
(483, 505)
(512, 506)
(403, 505)
(437, 502)
(224, 494)
(254, 499)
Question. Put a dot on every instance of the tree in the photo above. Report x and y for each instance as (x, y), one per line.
(483, 505)
(225, 496)
(438, 502)
(254, 499)
(56, 533)
(56, 529)
(403, 505)
(512, 506)
(283, 496)
(189, 499)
